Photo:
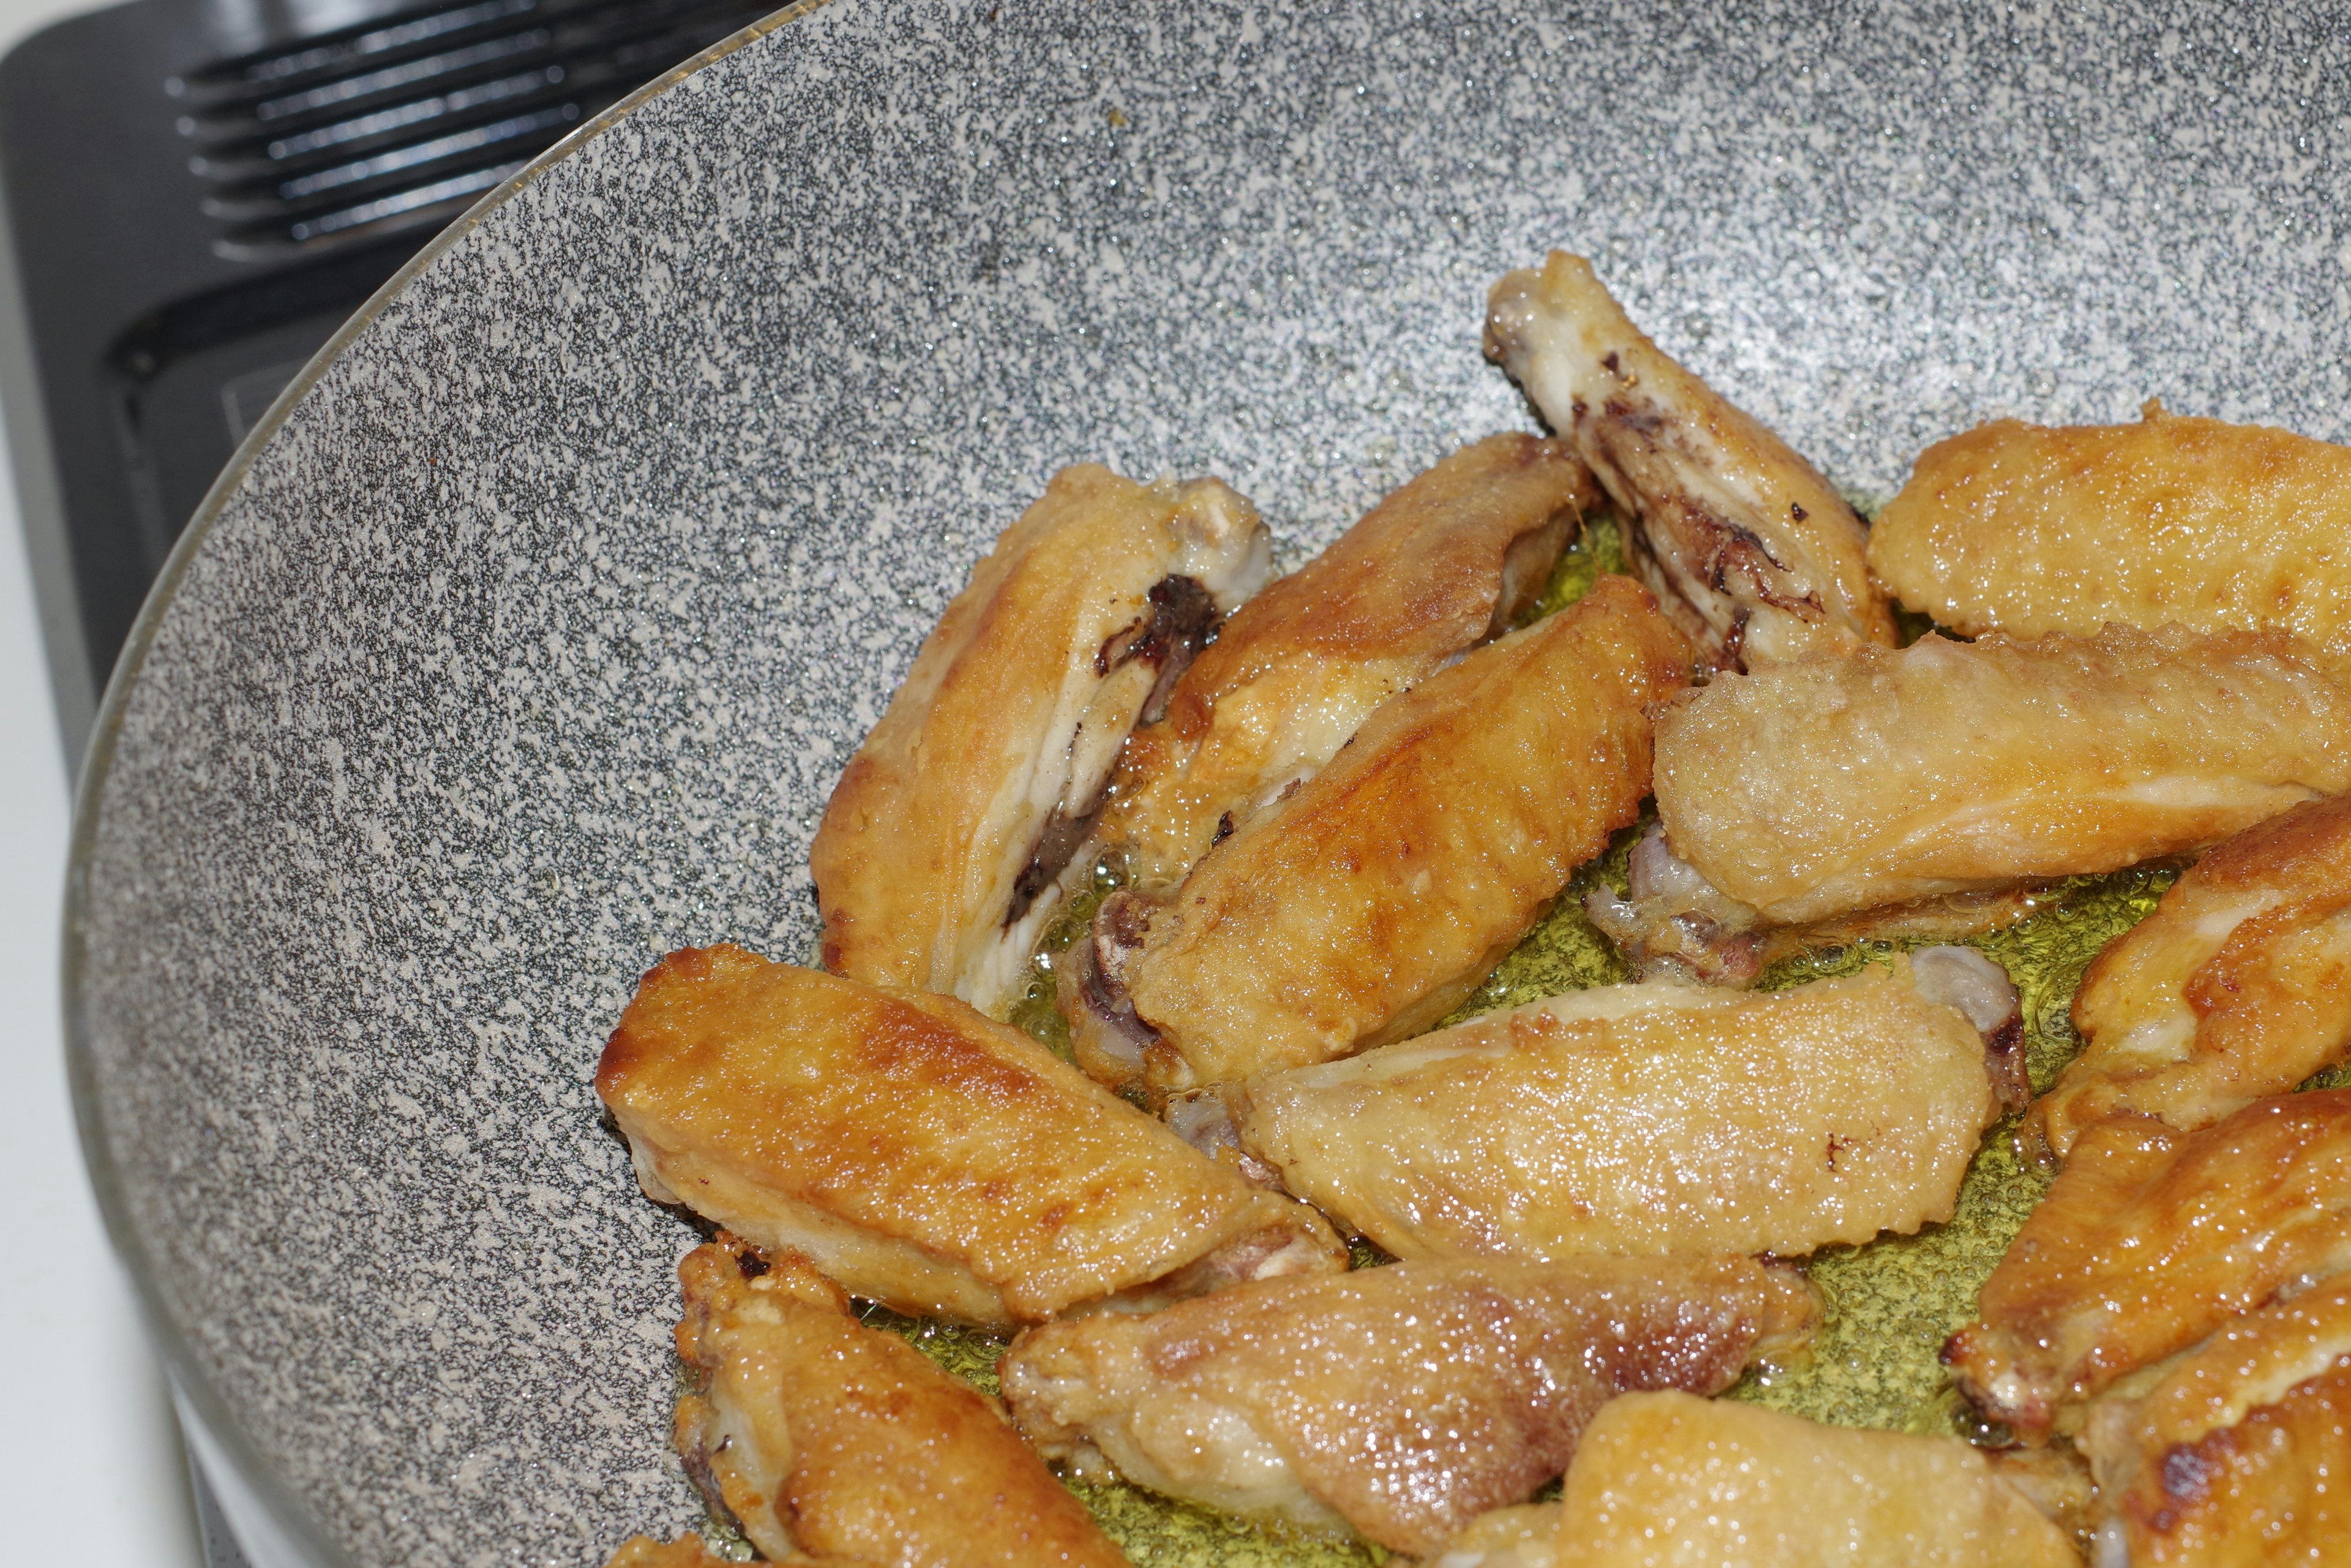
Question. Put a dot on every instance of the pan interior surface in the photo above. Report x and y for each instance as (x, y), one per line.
(528, 645)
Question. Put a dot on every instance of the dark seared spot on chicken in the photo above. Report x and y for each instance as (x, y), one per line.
(1098, 972)
(750, 1264)
(1796, 511)
(1610, 363)
(1062, 837)
(1182, 621)
(1643, 420)
(2005, 1060)
(1223, 828)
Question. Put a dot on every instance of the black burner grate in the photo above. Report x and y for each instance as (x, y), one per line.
(399, 124)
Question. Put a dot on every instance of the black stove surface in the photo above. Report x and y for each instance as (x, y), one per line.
(197, 192)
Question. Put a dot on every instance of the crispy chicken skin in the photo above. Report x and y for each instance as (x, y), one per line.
(1377, 896)
(1751, 550)
(1404, 1400)
(2235, 1457)
(1668, 1480)
(950, 837)
(1445, 563)
(2238, 986)
(2021, 529)
(2149, 1241)
(923, 1154)
(1812, 789)
(1641, 1119)
(818, 1435)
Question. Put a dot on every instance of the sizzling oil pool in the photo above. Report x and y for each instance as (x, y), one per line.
(1890, 1303)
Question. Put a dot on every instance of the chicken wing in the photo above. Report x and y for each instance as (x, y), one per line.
(2238, 986)
(1403, 1400)
(2020, 529)
(1751, 550)
(2235, 1457)
(924, 1156)
(818, 1435)
(1810, 790)
(1365, 906)
(948, 840)
(1444, 564)
(1668, 1480)
(1643, 1119)
(2149, 1241)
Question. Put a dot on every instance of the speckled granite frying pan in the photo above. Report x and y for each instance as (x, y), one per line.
(522, 641)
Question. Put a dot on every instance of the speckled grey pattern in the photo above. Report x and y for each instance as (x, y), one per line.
(530, 645)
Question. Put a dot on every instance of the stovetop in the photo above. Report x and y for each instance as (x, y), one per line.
(197, 192)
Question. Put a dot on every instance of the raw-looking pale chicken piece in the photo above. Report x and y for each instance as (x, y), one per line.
(2236, 1456)
(2150, 1240)
(1649, 1118)
(820, 1435)
(1668, 1480)
(1810, 790)
(1366, 905)
(923, 1154)
(1404, 1400)
(1516, 1537)
(1447, 562)
(949, 840)
(2238, 986)
(1754, 555)
(2021, 529)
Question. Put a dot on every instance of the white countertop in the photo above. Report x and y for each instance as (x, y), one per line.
(90, 1466)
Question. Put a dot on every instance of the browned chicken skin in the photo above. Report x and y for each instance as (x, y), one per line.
(818, 1435)
(2238, 986)
(1812, 789)
(2235, 1457)
(1405, 1400)
(2149, 1241)
(1366, 905)
(1444, 564)
(952, 833)
(926, 1156)
(1754, 555)
(2017, 527)
(1643, 1120)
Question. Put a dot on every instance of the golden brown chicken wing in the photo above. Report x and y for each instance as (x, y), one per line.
(924, 1156)
(1444, 564)
(2149, 1241)
(1641, 1119)
(1667, 1481)
(1376, 897)
(2020, 529)
(1810, 789)
(948, 840)
(2235, 1457)
(1403, 1400)
(818, 1435)
(2238, 986)
(1751, 550)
